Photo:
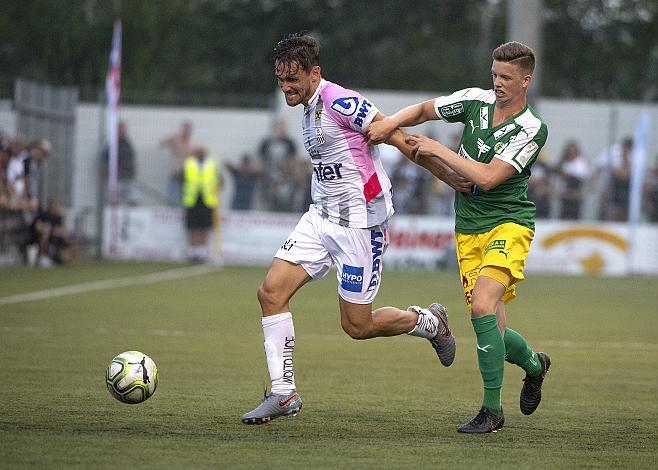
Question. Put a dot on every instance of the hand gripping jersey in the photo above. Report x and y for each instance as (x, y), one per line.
(516, 141)
(349, 185)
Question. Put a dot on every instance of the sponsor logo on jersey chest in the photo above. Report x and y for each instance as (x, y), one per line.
(325, 172)
(484, 117)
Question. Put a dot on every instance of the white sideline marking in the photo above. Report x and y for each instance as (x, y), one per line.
(151, 278)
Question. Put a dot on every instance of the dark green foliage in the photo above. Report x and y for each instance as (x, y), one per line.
(592, 48)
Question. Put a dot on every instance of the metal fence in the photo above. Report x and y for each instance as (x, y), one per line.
(48, 112)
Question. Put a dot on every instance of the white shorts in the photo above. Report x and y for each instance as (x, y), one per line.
(316, 244)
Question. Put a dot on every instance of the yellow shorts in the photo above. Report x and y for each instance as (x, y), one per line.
(505, 248)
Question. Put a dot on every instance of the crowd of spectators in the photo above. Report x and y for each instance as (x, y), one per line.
(37, 231)
(276, 177)
(579, 187)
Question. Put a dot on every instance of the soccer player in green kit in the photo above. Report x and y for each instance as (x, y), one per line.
(494, 222)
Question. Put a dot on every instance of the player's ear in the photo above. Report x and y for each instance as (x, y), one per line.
(526, 81)
(315, 73)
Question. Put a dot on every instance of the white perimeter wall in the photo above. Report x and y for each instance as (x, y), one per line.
(229, 133)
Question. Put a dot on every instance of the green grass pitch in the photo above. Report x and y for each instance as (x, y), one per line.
(383, 403)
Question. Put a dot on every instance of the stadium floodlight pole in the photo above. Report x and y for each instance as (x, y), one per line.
(524, 24)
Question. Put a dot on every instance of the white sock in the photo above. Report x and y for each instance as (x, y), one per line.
(427, 325)
(279, 335)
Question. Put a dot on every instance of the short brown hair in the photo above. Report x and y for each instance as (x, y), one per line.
(300, 48)
(516, 53)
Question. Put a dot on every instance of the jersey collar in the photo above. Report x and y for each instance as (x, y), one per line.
(314, 98)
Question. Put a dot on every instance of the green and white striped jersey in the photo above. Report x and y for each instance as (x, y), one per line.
(516, 141)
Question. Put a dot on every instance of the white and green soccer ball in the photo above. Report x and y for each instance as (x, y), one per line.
(131, 377)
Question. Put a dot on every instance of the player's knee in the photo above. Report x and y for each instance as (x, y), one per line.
(482, 307)
(266, 296)
(356, 331)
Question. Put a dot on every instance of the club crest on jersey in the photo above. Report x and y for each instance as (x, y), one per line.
(319, 135)
(346, 105)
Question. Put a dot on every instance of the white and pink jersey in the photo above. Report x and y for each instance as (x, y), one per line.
(349, 185)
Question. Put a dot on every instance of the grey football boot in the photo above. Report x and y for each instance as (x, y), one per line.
(444, 342)
(274, 406)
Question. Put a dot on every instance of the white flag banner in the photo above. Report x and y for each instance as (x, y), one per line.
(113, 93)
(638, 169)
(638, 165)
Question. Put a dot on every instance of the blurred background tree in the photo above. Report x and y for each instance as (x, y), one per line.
(604, 49)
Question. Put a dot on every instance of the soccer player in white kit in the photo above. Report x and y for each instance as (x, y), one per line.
(346, 226)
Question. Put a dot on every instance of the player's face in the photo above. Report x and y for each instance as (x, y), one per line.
(509, 82)
(297, 84)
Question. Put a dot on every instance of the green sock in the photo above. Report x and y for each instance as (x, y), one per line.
(491, 359)
(518, 352)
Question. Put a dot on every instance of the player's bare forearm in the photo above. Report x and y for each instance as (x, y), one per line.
(485, 175)
(433, 165)
(445, 174)
(398, 139)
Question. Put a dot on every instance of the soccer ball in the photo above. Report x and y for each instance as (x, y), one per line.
(131, 377)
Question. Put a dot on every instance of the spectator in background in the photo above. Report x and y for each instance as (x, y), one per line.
(282, 186)
(24, 176)
(200, 199)
(181, 146)
(409, 188)
(574, 171)
(540, 187)
(48, 240)
(614, 174)
(302, 199)
(272, 150)
(126, 167)
(245, 180)
(4, 187)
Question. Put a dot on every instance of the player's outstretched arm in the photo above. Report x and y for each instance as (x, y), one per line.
(484, 175)
(435, 166)
(381, 130)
